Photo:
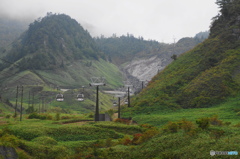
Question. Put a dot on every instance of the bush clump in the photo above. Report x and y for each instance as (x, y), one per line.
(37, 116)
(215, 121)
(45, 140)
(34, 115)
(8, 116)
(171, 127)
(203, 123)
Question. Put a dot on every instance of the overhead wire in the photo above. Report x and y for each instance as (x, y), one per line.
(6, 72)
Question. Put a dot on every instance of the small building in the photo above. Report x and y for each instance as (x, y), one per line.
(104, 117)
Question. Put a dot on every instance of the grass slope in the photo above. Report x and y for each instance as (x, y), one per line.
(79, 73)
(42, 86)
(198, 78)
(203, 76)
(174, 137)
(227, 111)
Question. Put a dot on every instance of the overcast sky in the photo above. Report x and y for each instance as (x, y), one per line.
(161, 20)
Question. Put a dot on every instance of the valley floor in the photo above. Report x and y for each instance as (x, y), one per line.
(184, 133)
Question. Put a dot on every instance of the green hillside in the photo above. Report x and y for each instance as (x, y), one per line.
(52, 42)
(55, 52)
(46, 84)
(203, 76)
(205, 81)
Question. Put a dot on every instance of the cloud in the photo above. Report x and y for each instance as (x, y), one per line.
(153, 19)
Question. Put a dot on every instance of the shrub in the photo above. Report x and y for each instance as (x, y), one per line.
(33, 116)
(193, 132)
(49, 117)
(22, 154)
(37, 116)
(65, 117)
(187, 126)
(171, 127)
(45, 151)
(109, 142)
(227, 123)
(110, 112)
(146, 126)
(203, 123)
(91, 115)
(217, 134)
(136, 138)
(140, 138)
(45, 140)
(238, 113)
(57, 116)
(15, 115)
(237, 125)
(121, 120)
(215, 121)
(8, 116)
(4, 131)
(125, 140)
(9, 140)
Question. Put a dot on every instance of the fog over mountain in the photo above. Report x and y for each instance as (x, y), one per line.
(163, 21)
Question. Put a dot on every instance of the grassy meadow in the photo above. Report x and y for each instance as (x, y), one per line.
(227, 111)
(181, 133)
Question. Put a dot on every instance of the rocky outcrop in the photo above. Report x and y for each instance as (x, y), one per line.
(145, 68)
(8, 153)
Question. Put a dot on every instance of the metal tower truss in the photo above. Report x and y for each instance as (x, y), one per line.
(97, 81)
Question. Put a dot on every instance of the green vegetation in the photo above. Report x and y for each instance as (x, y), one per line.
(201, 77)
(123, 49)
(187, 110)
(192, 133)
(51, 42)
(79, 73)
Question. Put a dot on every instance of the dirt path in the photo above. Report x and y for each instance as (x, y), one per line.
(78, 123)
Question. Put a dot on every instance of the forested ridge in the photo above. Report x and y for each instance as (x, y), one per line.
(52, 41)
(126, 47)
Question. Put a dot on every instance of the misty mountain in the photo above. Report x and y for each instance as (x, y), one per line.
(141, 59)
(55, 50)
(52, 41)
(58, 42)
(10, 30)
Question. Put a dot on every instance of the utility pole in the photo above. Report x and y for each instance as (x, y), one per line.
(97, 81)
(15, 114)
(21, 104)
(143, 83)
(97, 105)
(129, 97)
(128, 85)
(119, 103)
(119, 100)
(83, 88)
